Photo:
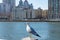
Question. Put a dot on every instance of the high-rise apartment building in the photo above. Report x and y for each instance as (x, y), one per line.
(53, 9)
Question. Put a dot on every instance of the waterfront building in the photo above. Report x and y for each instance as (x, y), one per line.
(4, 8)
(38, 13)
(10, 2)
(4, 12)
(45, 14)
(23, 11)
(53, 9)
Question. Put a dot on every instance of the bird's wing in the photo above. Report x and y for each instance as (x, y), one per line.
(33, 32)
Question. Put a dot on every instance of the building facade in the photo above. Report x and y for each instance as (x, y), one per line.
(10, 2)
(4, 12)
(53, 9)
(45, 14)
(38, 13)
(4, 8)
(23, 11)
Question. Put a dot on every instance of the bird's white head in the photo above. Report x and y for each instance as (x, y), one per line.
(28, 27)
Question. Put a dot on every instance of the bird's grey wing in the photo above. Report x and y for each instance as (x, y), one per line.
(34, 33)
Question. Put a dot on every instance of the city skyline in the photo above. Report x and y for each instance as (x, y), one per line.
(43, 4)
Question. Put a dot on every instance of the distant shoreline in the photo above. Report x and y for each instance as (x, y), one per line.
(35, 20)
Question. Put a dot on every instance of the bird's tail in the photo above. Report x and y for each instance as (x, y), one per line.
(38, 35)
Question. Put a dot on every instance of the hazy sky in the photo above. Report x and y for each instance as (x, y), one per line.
(36, 3)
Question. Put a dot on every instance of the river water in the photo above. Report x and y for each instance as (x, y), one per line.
(17, 30)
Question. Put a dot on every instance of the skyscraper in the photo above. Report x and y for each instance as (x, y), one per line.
(53, 9)
(10, 2)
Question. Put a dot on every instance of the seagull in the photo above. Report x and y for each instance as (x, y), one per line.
(31, 30)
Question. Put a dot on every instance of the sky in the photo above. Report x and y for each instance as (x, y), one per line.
(43, 4)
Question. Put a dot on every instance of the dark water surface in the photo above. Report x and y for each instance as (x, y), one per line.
(17, 30)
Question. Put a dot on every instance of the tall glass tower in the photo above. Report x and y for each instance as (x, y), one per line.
(10, 2)
(53, 9)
